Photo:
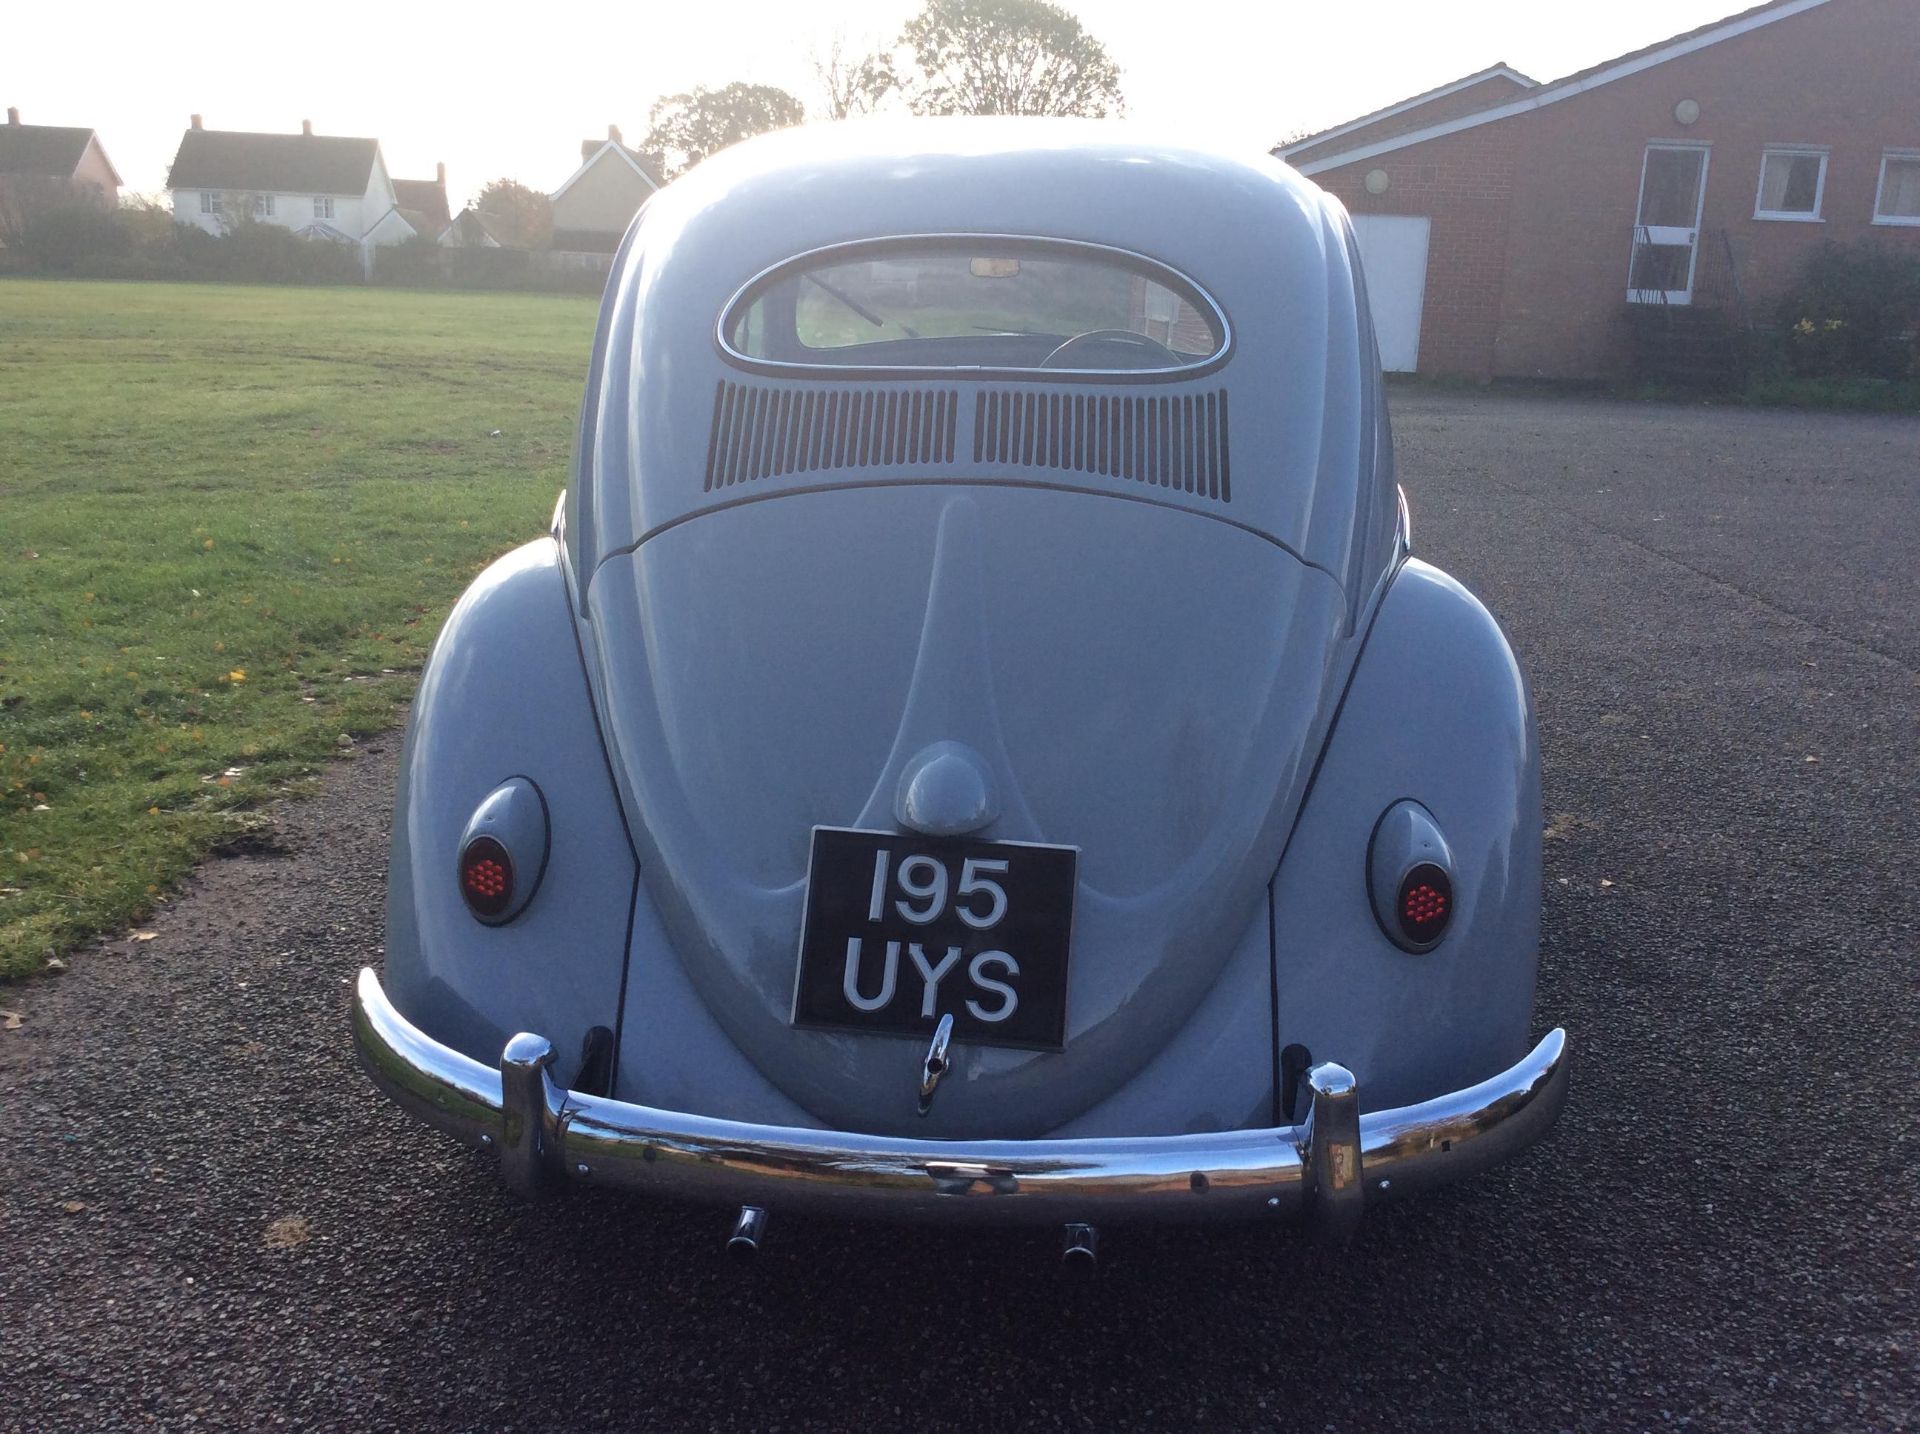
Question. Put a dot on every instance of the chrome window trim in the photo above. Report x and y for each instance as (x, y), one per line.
(1152, 268)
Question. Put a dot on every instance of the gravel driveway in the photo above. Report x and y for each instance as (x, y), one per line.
(207, 1218)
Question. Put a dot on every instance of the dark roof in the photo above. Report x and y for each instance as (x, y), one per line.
(1550, 87)
(1416, 110)
(49, 149)
(427, 197)
(286, 163)
(1684, 35)
(475, 226)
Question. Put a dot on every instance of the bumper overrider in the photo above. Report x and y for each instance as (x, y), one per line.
(1325, 1171)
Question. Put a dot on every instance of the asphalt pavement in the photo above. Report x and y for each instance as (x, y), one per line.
(209, 1220)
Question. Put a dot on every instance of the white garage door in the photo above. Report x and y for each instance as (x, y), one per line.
(1393, 250)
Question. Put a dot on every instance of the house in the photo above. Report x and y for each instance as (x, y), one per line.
(592, 210)
(44, 163)
(471, 229)
(322, 186)
(423, 203)
(1515, 229)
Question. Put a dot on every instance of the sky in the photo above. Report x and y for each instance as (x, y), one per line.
(510, 90)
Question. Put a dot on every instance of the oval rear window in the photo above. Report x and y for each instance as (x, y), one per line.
(1004, 305)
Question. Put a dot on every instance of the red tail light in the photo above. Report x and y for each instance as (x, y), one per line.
(1424, 904)
(486, 878)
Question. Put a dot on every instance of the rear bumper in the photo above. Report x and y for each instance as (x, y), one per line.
(1325, 1170)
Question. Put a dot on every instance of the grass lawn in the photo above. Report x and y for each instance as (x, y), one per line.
(231, 520)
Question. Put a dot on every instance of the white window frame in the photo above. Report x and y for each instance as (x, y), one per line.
(209, 202)
(323, 206)
(1793, 216)
(263, 206)
(1880, 189)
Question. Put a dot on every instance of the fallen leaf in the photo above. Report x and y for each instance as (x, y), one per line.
(288, 1232)
(1604, 883)
(145, 935)
(1813, 759)
(54, 963)
(10, 1020)
(74, 1207)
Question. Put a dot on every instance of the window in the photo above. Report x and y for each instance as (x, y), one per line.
(263, 206)
(1792, 184)
(209, 202)
(323, 206)
(977, 303)
(1898, 201)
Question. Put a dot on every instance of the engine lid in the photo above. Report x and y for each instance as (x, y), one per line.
(1144, 684)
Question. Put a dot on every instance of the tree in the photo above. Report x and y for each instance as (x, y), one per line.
(147, 218)
(1008, 57)
(25, 197)
(854, 86)
(520, 217)
(684, 129)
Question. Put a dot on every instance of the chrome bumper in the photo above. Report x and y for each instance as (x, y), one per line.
(1325, 1170)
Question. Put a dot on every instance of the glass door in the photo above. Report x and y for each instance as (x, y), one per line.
(1666, 236)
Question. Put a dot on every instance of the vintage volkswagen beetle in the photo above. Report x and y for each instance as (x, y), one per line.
(975, 744)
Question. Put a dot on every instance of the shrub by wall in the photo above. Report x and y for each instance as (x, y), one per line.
(1852, 312)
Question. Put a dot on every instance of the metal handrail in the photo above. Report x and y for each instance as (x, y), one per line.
(1643, 239)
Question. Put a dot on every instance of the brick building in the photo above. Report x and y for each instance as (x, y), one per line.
(1513, 229)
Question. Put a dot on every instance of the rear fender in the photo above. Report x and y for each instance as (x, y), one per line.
(1438, 712)
(504, 695)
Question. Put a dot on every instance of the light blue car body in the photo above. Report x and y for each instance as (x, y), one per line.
(1215, 696)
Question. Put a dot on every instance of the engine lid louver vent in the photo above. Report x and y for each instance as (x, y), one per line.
(766, 432)
(1176, 441)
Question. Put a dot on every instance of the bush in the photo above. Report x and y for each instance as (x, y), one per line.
(142, 241)
(68, 236)
(1852, 312)
(267, 254)
(86, 241)
(418, 263)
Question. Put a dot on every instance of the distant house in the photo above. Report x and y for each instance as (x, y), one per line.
(471, 229)
(51, 163)
(1515, 229)
(322, 186)
(592, 210)
(423, 203)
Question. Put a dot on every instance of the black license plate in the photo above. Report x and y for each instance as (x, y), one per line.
(902, 929)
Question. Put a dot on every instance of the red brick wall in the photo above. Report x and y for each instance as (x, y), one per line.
(1548, 198)
(1463, 184)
